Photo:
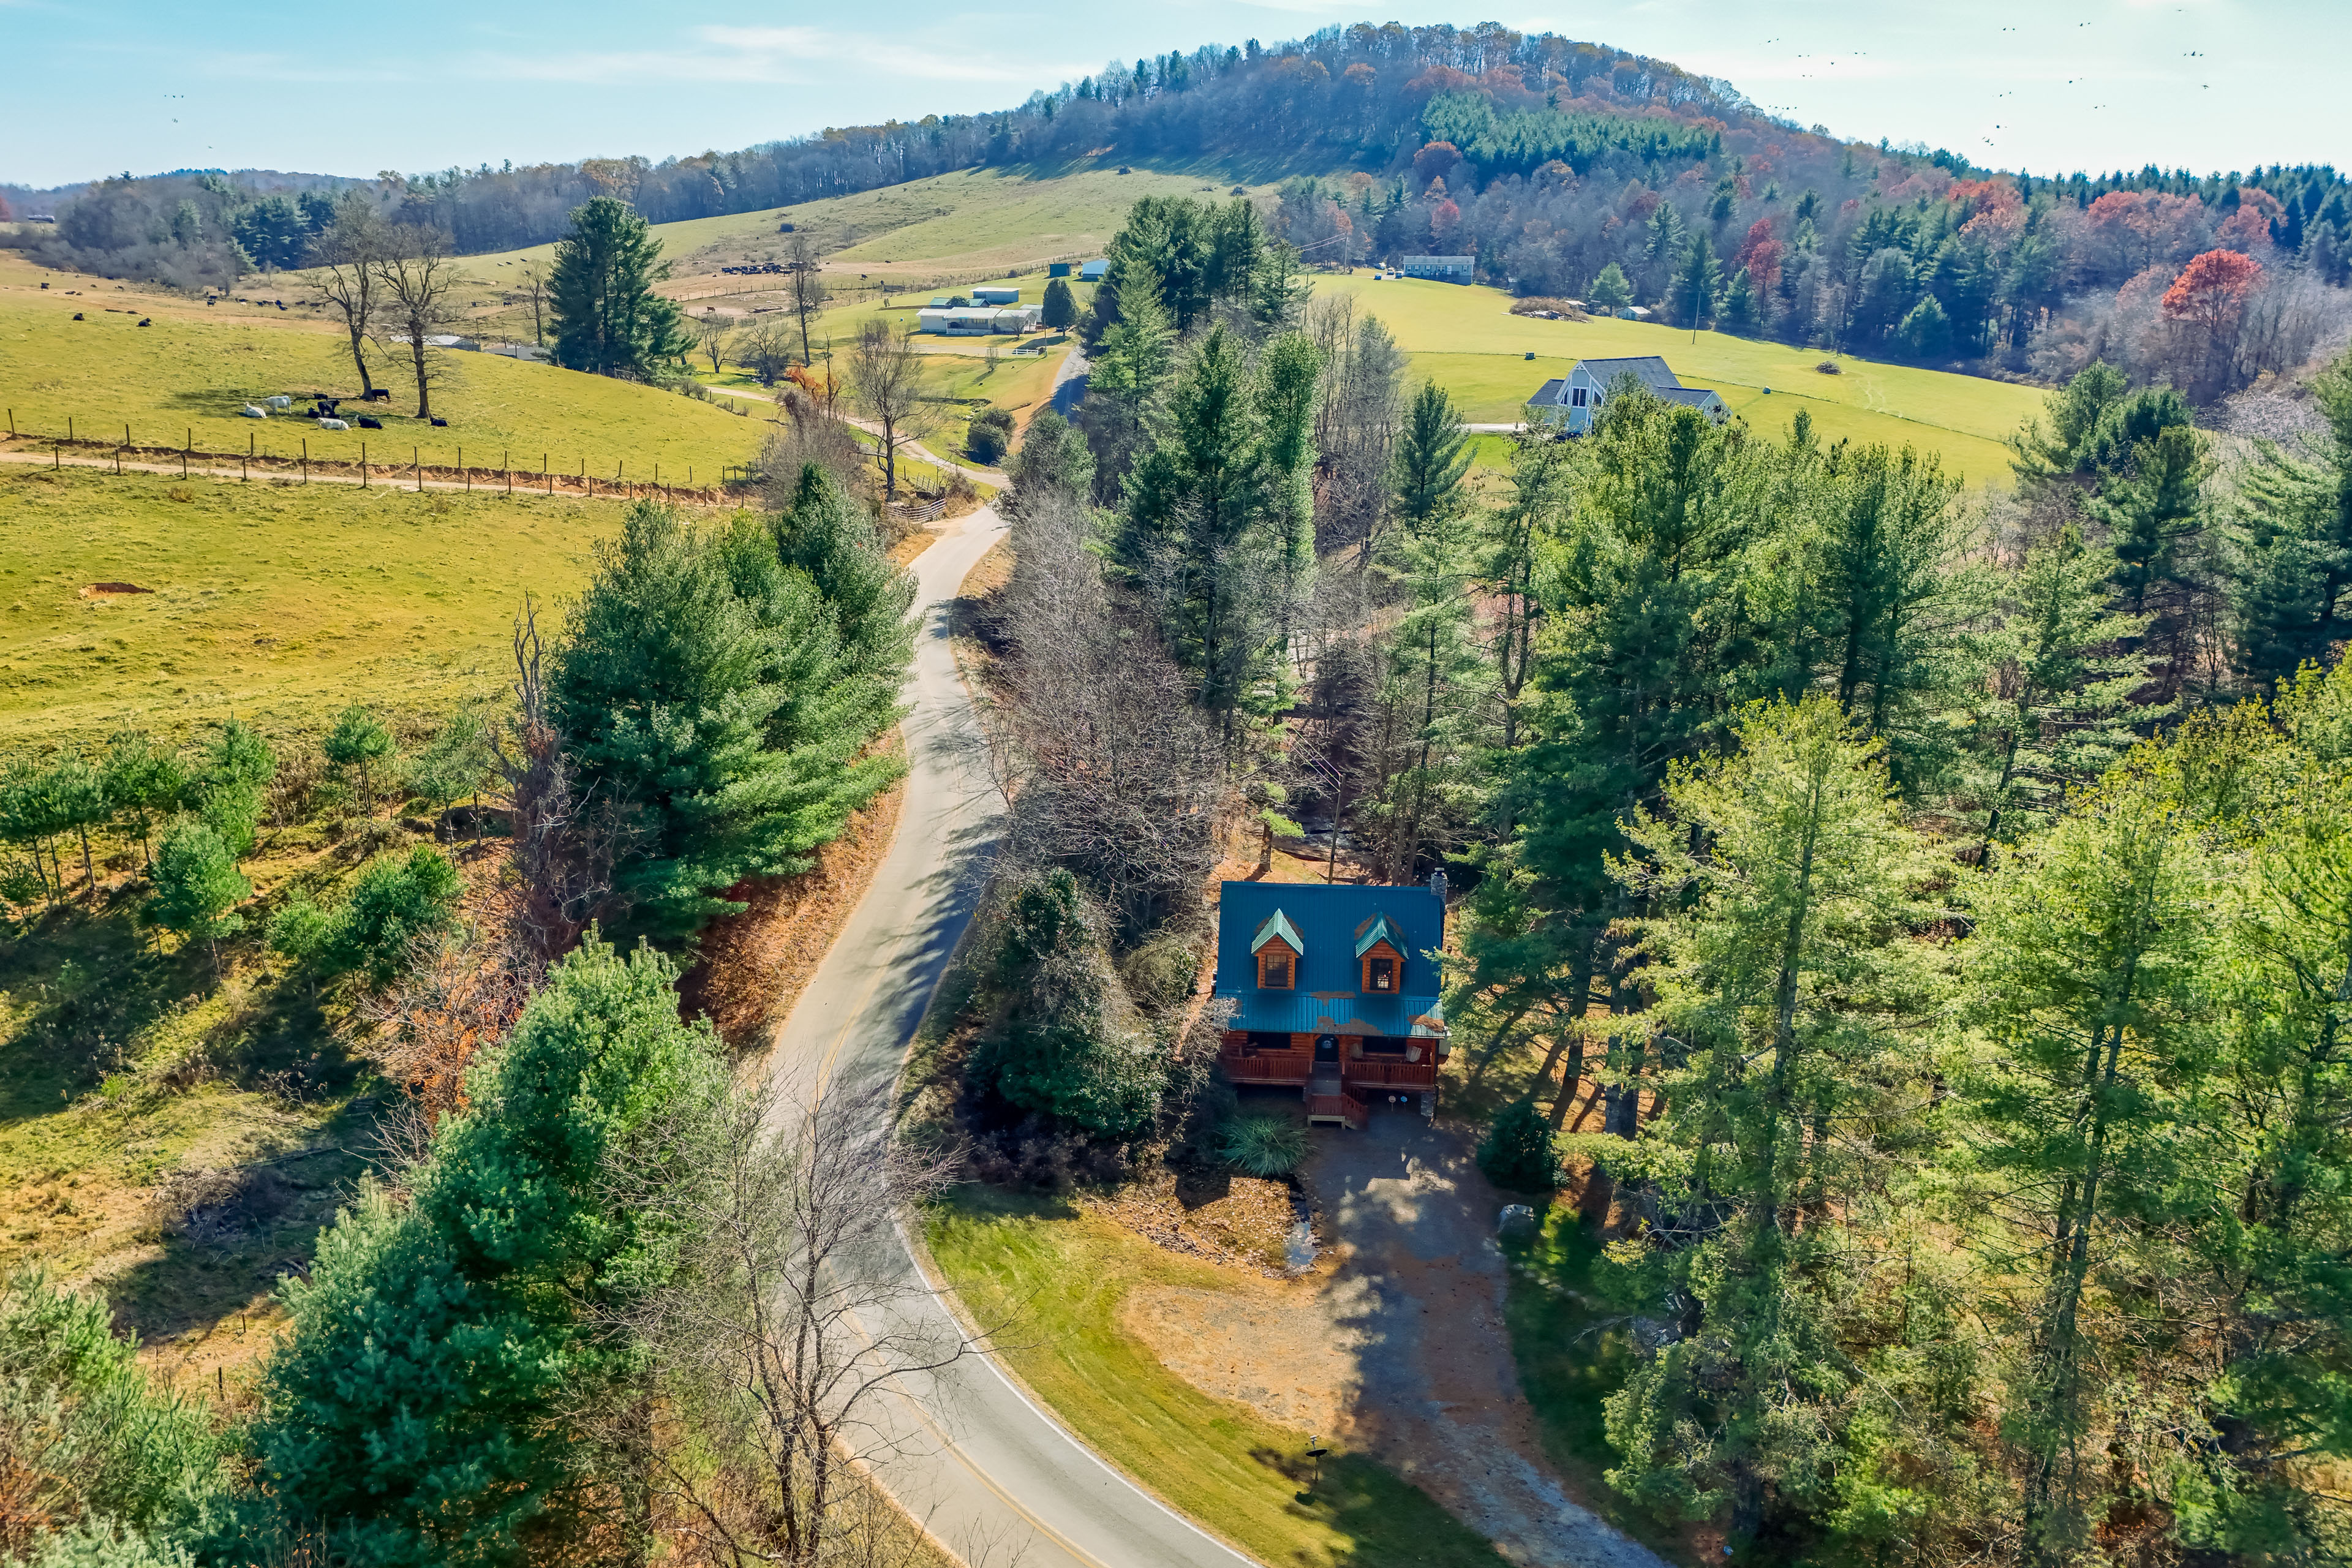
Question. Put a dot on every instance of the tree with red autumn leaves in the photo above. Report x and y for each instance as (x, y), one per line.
(2211, 294)
(1760, 255)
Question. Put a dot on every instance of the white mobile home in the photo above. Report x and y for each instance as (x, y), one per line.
(1568, 402)
(978, 321)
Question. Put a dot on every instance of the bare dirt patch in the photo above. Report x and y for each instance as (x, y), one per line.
(107, 590)
(1269, 1348)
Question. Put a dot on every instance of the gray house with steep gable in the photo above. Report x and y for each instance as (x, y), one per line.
(1568, 404)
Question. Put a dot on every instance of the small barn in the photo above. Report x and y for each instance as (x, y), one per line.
(1057, 269)
(996, 294)
(1335, 991)
(1568, 402)
(1094, 271)
(1440, 268)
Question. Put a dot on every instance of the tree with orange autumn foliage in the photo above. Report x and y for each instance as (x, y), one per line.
(2210, 297)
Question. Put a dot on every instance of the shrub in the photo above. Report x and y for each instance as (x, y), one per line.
(1517, 1152)
(393, 903)
(989, 436)
(1066, 1045)
(1160, 973)
(1266, 1146)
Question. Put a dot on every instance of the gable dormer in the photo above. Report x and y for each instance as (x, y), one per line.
(1380, 957)
(1278, 949)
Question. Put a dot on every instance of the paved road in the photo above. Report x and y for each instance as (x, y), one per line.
(973, 1456)
(1070, 379)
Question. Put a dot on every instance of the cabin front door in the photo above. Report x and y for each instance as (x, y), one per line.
(1326, 1047)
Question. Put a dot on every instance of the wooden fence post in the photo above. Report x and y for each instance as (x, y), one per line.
(466, 478)
(363, 482)
(417, 461)
(306, 460)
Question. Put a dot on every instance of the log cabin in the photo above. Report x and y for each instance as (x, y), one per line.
(1334, 990)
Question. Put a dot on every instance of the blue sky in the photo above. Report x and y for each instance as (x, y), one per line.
(96, 87)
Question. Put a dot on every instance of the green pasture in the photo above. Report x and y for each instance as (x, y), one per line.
(274, 602)
(1469, 341)
(186, 376)
(1054, 1278)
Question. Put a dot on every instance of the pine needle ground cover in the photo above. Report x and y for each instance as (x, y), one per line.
(1466, 338)
(277, 603)
(198, 364)
(1058, 1277)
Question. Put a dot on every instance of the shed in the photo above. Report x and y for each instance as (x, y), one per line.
(1094, 271)
(996, 294)
(1057, 269)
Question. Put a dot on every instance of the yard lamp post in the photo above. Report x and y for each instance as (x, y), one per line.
(1315, 1451)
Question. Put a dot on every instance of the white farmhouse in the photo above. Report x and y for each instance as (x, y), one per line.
(1568, 404)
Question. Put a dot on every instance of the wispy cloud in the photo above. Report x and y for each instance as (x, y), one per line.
(786, 56)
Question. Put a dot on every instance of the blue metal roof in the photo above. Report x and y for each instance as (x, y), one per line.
(1331, 920)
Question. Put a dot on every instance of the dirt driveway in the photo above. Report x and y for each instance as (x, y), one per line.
(1395, 1343)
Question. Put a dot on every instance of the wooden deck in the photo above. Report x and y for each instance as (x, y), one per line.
(1335, 1091)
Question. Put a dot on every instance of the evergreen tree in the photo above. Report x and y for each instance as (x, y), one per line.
(1193, 534)
(2058, 714)
(2087, 980)
(1893, 595)
(227, 790)
(1060, 309)
(2149, 512)
(2293, 549)
(197, 887)
(1698, 279)
(1279, 289)
(1610, 292)
(144, 782)
(1927, 331)
(420, 1409)
(1053, 460)
(693, 685)
(392, 903)
(79, 791)
(1433, 454)
(1782, 881)
(608, 317)
(827, 534)
(1743, 308)
(360, 743)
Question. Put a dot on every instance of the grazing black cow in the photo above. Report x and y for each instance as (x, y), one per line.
(381, 394)
(146, 321)
(368, 424)
(440, 423)
(326, 409)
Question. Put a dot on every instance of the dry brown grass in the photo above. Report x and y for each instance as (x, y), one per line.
(753, 965)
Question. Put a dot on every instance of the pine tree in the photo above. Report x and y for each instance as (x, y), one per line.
(1191, 536)
(359, 742)
(2058, 714)
(144, 781)
(608, 317)
(227, 790)
(1610, 292)
(1698, 279)
(695, 687)
(1433, 454)
(1781, 877)
(2293, 552)
(2148, 513)
(197, 888)
(1743, 309)
(1060, 309)
(2086, 980)
(423, 1402)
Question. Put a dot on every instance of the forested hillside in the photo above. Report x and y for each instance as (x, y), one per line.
(1552, 162)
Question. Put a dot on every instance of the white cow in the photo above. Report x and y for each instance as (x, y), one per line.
(254, 411)
(280, 402)
(334, 424)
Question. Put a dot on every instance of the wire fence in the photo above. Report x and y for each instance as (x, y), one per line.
(381, 467)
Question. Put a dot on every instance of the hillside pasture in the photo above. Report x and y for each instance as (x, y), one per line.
(186, 376)
(274, 602)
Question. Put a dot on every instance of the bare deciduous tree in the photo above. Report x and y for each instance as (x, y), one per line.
(1356, 422)
(808, 285)
(565, 844)
(886, 382)
(532, 284)
(418, 274)
(767, 349)
(711, 331)
(346, 256)
(793, 1309)
(1104, 763)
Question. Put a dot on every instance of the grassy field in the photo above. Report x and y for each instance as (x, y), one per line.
(1467, 340)
(274, 602)
(974, 222)
(197, 366)
(1059, 1278)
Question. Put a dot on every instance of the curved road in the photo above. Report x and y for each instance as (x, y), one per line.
(971, 1454)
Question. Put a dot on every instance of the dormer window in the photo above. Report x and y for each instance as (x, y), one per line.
(1278, 949)
(1379, 953)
